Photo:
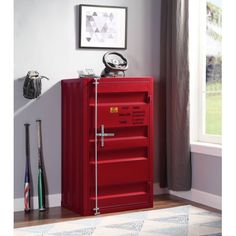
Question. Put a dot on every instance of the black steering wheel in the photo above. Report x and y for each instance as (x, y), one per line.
(114, 61)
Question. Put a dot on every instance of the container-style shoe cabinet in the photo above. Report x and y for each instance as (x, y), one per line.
(107, 144)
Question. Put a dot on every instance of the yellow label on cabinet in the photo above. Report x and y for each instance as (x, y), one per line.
(114, 109)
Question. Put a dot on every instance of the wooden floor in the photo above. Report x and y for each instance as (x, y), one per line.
(59, 214)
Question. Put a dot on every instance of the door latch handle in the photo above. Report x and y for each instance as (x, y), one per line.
(103, 134)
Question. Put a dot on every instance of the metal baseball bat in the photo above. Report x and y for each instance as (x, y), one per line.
(27, 174)
(41, 185)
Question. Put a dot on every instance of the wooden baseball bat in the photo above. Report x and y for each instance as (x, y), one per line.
(41, 185)
(27, 174)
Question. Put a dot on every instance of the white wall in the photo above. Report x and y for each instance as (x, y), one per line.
(207, 173)
(46, 40)
(206, 181)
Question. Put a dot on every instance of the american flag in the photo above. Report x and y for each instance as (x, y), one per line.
(27, 190)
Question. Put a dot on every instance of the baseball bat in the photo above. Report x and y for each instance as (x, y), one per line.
(41, 185)
(27, 174)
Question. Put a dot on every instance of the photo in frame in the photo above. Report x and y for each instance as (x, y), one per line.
(103, 27)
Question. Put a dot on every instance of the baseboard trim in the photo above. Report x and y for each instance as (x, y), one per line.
(157, 190)
(52, 200)
(211, 200)
(201, 197)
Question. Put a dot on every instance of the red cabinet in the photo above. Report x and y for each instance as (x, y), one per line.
(121, 178)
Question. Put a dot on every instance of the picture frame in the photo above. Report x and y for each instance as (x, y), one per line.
(103, 27)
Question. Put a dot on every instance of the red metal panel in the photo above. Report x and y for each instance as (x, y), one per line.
(125, 163)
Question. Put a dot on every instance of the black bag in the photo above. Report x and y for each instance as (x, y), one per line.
(32, 85)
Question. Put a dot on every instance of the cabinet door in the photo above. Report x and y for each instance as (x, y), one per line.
(124, 126)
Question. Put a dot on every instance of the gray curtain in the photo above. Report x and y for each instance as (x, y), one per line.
(175, 162)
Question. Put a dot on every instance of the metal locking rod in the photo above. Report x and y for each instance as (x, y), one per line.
(103, 134)
(96, 209)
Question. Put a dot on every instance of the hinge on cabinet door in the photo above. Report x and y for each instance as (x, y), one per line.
(148, 98)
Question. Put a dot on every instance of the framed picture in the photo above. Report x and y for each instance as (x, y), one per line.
(103, 27)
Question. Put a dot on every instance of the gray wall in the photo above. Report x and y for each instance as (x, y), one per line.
(207, 173)
(46, 39)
